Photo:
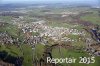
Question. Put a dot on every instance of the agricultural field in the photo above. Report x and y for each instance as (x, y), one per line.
(93, 18)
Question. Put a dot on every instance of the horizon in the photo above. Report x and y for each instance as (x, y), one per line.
(92, 2)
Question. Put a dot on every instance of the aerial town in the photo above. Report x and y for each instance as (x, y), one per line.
(31, 33)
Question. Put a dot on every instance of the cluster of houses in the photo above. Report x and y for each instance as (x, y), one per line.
(5, 38)
(55, 33)
(28, 29)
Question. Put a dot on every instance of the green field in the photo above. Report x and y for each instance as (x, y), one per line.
(63, 53)
(15, 51)
(6, 19)
(93, 18)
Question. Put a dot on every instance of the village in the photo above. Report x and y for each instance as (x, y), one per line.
(42, 30)
(31, 36)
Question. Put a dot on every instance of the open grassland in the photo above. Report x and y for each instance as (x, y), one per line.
(13, 50)
(27, 51)
(66, 53)
(93, 18)
(6, 19)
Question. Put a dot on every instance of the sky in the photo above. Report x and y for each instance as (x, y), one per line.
(69, 1)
